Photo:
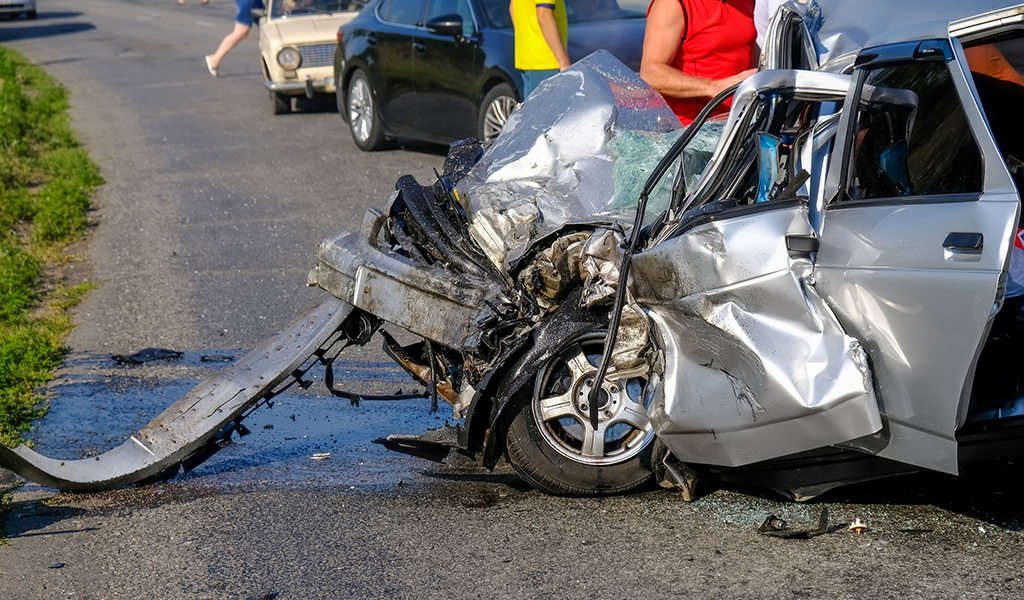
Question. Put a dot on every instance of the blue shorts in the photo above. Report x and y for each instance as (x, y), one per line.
(244, 14)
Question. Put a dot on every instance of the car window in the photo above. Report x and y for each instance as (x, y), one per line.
(497, 13)
(996, 68)
(911, 137)
(440, 8)
(402, 12)
(770, 168)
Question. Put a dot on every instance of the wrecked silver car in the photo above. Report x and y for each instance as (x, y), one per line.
(818, 289)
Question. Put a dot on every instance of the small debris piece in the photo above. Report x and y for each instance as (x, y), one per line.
(268, 426)
(321, 456)
(982, 530)
(858, 526)
(57, 565)
(772, 523)
(674, 475)
(776, 527)
(146, 355)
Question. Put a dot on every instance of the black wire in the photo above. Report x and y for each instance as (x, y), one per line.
(634, 238)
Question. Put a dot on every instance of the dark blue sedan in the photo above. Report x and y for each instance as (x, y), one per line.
(442, 70)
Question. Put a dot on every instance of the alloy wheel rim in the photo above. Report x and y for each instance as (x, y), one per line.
(360, 110)
(496, 115)
(560, 408)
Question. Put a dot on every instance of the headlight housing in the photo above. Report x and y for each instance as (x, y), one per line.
(289, 58)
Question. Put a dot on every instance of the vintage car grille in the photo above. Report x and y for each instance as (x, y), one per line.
(320, 55)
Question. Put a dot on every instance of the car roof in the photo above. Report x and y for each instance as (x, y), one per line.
(842, 27)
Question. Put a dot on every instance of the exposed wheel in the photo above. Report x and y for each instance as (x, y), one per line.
(498, 104)
(30, 14)
(281, 103)
(550, 442)
(361, 114)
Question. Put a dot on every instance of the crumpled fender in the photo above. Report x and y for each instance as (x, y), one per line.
(567, 322)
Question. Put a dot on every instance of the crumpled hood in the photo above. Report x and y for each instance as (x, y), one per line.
(309, 29)
(578, 150)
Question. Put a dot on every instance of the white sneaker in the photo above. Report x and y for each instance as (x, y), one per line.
(209, 65)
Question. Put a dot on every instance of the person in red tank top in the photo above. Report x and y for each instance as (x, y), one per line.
(694, 49)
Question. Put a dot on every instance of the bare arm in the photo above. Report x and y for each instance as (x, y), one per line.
(549, 29)
(512, 13)
(988, 60)
(665, 25)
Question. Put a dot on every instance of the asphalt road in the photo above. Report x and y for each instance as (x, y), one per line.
(203, 236)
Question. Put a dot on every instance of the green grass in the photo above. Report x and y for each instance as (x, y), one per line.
(46, 180)
(6, 495)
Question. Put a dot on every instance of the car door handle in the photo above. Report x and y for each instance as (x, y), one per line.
(802, 244)
(960, 241)
(420, 47)
(371, 39)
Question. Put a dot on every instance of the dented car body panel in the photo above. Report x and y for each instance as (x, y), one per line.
(822, 285)
(740, 320)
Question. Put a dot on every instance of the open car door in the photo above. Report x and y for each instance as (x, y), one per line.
(754, 363)
(915, 241)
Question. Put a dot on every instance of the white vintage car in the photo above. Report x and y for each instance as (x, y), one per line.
(297, 43)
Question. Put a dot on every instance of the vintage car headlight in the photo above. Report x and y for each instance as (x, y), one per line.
(289, 58)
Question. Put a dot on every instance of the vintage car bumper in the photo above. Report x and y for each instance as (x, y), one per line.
(308, 86)
(15, 7)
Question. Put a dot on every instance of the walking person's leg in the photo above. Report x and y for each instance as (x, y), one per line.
(230, 41)
(243, 23)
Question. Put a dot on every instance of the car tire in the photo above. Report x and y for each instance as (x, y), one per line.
(30, 14)
(498, 104)
(550, 453)
(360, 112)
(280, 103)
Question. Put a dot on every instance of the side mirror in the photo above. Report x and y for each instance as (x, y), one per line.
(257, 14)
(450, 25)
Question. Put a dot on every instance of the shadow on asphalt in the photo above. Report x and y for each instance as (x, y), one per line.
(57, 15)
(319, 104)
(61, 61)
(508, 480)
(990, 492)
(24, 518)
(8, 34)
(328, 104)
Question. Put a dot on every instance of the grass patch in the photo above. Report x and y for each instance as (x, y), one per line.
(6, 495)
(46, 180)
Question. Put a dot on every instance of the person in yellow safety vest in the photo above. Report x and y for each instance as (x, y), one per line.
(541, 38)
